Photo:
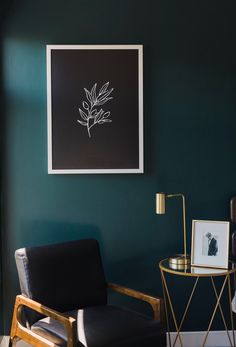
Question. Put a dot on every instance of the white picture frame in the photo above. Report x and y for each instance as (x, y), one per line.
(76, 73)
(210, 244)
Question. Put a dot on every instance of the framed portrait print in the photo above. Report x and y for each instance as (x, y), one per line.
(210, 243)
(95, 109)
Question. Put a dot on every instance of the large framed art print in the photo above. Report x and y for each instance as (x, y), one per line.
(95, 109)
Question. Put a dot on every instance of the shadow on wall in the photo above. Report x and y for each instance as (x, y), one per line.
(37, 233)
(140, 273)
(123, 268)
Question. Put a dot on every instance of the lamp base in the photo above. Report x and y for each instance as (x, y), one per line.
(179, 260)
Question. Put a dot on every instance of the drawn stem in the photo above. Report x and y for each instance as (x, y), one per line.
(88, 128)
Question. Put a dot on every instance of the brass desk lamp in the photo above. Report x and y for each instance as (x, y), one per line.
(178, 259)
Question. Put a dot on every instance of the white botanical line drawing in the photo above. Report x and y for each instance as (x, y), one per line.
(92, 116)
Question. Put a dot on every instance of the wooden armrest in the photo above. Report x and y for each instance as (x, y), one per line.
(22, 332)
(155, 302)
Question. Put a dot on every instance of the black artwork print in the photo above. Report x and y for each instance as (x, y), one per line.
(95, 109)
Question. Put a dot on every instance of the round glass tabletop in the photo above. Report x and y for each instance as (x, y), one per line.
(195, 270)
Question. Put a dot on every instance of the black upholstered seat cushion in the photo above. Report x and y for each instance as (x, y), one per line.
(108, 326)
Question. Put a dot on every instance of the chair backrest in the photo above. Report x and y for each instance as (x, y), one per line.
(63, 276)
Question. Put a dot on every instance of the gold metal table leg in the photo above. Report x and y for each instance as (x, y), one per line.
(172, 310)
(221, 312)
(218, 294)
(230, 308)
(186, 309)
(215, 309)
(166, 310)
(178, 328)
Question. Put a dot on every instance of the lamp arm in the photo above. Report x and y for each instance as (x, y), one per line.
(184, 217)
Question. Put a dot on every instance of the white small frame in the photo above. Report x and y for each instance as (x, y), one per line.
(210, 243)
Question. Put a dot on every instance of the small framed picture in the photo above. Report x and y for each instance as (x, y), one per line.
(210, 244)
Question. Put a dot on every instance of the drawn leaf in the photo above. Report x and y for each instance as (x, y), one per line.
(88, 95)
(106, 94)
(107, 114)
(85, 105)
(94, 112)
(81, 122)
(83, 115)
(93, 93)
(99, 103)
(104, 88)
(99, 115)
(102, 121)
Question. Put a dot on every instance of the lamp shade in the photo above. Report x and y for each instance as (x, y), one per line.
(160, 203)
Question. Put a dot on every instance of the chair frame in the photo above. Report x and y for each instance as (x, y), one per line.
(21, 332)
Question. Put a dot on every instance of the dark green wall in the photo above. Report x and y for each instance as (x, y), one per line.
(190, 126)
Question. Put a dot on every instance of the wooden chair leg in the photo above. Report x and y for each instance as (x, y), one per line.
(12, 341)
(13, 337)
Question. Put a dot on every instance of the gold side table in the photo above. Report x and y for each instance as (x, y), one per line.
(197, 273)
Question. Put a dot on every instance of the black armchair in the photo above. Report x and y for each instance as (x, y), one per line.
(66, 284)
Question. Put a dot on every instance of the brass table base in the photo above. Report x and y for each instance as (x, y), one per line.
(179, 260)
(169, 309)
